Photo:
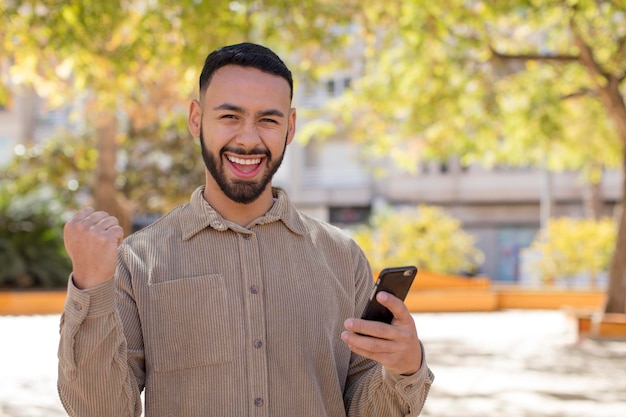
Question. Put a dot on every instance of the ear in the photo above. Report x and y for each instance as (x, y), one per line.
(291, 129)
(195, 119)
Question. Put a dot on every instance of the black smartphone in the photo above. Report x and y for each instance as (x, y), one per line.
(396, 281)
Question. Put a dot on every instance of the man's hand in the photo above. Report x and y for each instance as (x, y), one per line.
(396, 345)
(91, 239)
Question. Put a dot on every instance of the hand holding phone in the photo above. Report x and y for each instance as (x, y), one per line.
(403, 354)
(396, 281)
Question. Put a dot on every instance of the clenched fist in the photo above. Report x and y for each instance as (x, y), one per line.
(91, 239)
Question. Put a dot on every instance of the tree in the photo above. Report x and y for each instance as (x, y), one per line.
(424, 236)
(517, 82)
(118, 56)
(31, 242)
(63, 48)
(571, 247)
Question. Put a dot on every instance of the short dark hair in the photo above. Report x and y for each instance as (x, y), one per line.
(246, 55)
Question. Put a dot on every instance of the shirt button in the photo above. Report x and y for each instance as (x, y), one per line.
(258, 344)
(254, 289)
(408, 388)
(78, 306)
(258, 401)
(247, 237)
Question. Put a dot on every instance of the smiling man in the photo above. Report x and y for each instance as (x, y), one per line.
(244, 121)
(234, 304)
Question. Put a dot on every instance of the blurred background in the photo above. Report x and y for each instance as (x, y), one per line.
(482, 141)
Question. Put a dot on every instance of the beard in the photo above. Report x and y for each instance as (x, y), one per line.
(240, 191)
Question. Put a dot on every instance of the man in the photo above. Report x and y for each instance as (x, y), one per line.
(234, 304)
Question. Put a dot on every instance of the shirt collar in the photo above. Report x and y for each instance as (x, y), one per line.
(199, 215)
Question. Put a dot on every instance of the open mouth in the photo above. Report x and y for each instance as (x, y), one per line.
(245, 167)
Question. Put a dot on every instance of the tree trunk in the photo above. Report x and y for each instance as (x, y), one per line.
(106, 196)
(26, 104)
(612, 100)
(546, 200)
(616, 293)
(592, 200)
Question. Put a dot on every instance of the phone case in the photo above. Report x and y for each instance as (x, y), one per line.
(396, 281)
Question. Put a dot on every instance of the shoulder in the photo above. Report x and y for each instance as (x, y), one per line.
(328, 236)
(166, 227)
(321, 228)
(336, 248)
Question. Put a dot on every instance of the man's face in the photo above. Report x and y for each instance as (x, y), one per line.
(245, 124)
(240, 190)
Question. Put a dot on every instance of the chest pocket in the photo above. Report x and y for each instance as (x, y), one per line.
(187, 324)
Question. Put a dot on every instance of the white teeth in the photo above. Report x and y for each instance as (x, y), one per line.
(240, 161)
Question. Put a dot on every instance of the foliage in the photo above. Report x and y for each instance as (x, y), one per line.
(155, 178)
(136, 65)
(64, 163)
(159, 166)
(491, 82)
(570, 247)
(495, 82)
(31, 241)
(426, 237)
(117, 49)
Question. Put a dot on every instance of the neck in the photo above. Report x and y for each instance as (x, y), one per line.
(241, 214)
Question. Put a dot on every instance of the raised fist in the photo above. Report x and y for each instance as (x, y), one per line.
(91, 239)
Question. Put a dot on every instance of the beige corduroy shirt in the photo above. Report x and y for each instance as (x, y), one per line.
(215, 319)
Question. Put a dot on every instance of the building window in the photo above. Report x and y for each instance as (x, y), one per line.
(349, 215)
(335, 87)
(330, 87)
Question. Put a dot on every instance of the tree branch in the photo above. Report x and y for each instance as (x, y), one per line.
(621, 50)
(584, 92)
(533, 57)
(586, 54)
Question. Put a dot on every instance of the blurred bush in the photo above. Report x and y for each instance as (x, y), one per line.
(31, 240)
(570, 247)
(426, 237)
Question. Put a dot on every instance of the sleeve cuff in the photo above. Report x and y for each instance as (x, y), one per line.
(407, 385)
(93, 302)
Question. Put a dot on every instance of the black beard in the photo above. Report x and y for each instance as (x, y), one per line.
(240, 191)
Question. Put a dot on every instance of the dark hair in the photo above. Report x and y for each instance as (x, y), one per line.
(246, 55)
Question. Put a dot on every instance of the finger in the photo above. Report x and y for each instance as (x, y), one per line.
(368, 328)
(106, 226)
(81, 214)
(116, 232)
(95, 218)
(91, 221)
(71, 227)
(86, 219)
(366, 344)
(396, 306)
(107, 223)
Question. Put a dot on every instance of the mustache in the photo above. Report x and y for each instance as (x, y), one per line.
(239, 151)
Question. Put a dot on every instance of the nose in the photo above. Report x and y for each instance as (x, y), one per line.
(248, 136)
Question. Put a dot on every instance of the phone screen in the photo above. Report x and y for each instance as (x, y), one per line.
(396, 281)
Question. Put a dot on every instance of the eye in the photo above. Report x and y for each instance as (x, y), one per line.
(268, 120)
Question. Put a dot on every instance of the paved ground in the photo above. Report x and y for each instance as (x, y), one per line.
(503, 364)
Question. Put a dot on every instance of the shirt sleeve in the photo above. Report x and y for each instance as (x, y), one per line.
(97, 375)
(370, 389)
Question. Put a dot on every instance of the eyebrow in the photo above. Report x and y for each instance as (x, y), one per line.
(238, 109)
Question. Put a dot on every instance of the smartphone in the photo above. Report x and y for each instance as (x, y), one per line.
(396, 281)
